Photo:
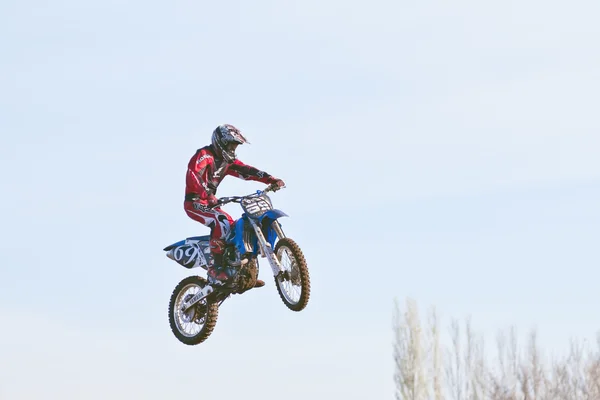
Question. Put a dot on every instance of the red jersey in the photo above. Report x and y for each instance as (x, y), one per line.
(205, 173)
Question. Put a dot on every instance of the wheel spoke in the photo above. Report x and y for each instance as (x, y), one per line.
(290, 291)
(294, 285)
(188, 323)
(195, 325)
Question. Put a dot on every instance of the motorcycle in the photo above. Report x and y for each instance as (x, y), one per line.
(194, 303)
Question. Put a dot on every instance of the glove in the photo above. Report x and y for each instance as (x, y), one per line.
(212, 200)
(277, 184)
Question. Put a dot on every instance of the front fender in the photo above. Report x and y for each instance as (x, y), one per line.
(273, 215)
(266, 220)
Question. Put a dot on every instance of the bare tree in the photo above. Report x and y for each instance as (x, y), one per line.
(465, 364)
(436, 357)
(515, 373)
(410, 372)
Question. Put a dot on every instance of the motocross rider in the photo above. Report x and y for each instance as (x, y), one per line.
(206, 169)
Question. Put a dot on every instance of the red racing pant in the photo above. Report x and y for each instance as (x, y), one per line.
(217, 220)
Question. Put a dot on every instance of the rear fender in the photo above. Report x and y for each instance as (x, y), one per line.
(192, 252)
(190, 239)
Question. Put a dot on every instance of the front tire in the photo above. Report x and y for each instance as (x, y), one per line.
(194, 326)
(294, 284)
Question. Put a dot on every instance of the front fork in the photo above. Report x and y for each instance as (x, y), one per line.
(265, 247)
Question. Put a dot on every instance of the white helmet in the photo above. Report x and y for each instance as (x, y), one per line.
(225, 139)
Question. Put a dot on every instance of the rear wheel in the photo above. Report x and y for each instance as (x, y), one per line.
(293, 284)
(195, 325)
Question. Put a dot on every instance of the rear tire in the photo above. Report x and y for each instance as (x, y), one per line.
(295, 275)
(195, 326)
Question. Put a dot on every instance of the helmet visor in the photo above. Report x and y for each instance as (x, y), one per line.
(231, 146)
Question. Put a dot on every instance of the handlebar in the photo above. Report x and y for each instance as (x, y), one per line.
(237, 199)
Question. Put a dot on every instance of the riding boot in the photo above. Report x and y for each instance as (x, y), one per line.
(217, 273)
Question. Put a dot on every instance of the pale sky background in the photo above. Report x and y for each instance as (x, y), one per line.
(446, 151)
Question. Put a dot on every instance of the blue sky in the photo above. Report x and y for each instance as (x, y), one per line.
(446, 152)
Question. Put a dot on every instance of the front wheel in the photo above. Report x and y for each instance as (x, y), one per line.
(293, 284)
(195, 325)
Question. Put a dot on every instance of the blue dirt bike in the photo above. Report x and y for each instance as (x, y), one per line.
(194, 304)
